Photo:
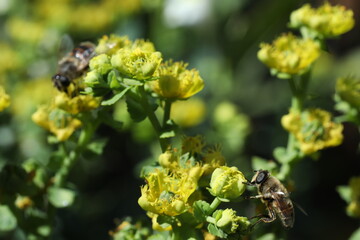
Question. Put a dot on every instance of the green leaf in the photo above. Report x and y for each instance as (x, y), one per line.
(345, 193)
(97, 146)
(135, 110)
(283, 156)
(115, 98)
(8, 221)
(168, 134)
(260, 163)
(132, 82)
(201, 210)
(216, 231)
(61, 197)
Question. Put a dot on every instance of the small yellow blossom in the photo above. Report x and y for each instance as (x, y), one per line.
(77, 104)
(136, 64)
(167, 193)
(348, 89)
(58, 122)
(176, 81)
(289, 54)
(188, 113)
(325, 21)
(169, 159)
(227, 183)
(111, 44)
(4, 99)
(313, 129)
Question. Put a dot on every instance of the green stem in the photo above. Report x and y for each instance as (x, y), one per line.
(72, 156)
(167, 111)
(151, 116)
(215, 203)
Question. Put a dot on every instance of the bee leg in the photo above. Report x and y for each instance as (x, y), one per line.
(264, 218)
(254, 197)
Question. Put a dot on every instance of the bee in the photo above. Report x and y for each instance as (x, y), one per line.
(275, 197)
(73, 65)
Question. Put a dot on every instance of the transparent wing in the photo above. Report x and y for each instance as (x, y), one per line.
(66, 45)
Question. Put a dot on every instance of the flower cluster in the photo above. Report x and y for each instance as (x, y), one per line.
(58, 122)
(313, 129)
(167, 193)
(289, 54)
(324, 22)
(59, 117)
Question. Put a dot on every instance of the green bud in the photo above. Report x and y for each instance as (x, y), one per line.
(92, 78)
(227, 183)
(229, 222)
(101, 64)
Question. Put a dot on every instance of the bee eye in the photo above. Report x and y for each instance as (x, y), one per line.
(260, 177)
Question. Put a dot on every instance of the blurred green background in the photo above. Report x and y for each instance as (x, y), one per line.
(244, 103)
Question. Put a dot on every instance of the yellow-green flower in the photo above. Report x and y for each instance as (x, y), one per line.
(167, 194)
(4, 99)
(100, 63)
(289, 54)
(111, 44)
(353, 209)
(176, 81)
(136, 64)
(348, 89)
(313, 129)
(188, 113)
(77, 104)
(227, 183)
(57, 121)
(229, 222)
(325, 21)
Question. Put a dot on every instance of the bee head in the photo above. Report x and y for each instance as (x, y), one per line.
(260, 176)
(60, 81)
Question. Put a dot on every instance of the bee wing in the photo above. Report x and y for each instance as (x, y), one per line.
(65, 46)
(284, 208)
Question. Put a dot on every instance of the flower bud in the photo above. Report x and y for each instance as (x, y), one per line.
(227, 183)
(229, 222)
(100, 64)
